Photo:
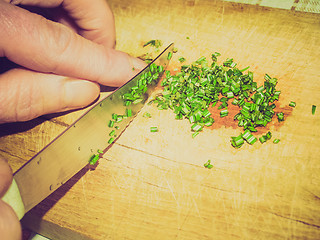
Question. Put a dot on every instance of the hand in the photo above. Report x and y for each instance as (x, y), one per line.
(10, 228)
(59, 62)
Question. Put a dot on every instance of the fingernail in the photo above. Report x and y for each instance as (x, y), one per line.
(80, 93)
(137, 64)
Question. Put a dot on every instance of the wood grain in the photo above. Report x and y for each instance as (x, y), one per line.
(154, 185)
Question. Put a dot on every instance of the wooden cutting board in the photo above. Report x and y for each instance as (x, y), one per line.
(153, 185)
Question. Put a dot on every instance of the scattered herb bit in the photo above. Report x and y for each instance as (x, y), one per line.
(111, 140)
(146, 115)
(208, 164)
(99, 151)
(153, 129)
(169, 55)
(195, 134)
(154, 43)
(94, 159)
(196, 127)
(275, 141)
(112, 133)
(224, 113)
(182, 59)
(119, 118)
(114, 116)
(237, 142)
(111, 124)
(313, 109)
(128, 112)
(266, 137)
(187, 38)
(245, 69)
(280, 116)
(247, 135)
(174, 50)
(292, 104)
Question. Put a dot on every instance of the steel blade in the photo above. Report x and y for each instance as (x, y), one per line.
(71, 150)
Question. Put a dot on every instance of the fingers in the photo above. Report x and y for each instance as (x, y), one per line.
(26, 94)
(5, 176)
(94, 18)
(9, 224)
(42, 45)
(10, 227)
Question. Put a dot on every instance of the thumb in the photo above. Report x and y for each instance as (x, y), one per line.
(26, 94)
(10, 227)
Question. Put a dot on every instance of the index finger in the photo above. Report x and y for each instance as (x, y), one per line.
(36, 43)
(94, 18)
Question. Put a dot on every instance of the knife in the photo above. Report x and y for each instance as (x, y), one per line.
(71, 151)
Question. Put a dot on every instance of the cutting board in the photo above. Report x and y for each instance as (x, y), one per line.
(154, 185)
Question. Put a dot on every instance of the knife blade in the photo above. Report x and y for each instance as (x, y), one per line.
(68, 153)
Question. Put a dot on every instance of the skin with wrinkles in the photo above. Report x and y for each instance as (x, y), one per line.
(42, 47)
(58, 66)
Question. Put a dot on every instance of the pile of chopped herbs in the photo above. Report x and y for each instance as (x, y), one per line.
(193, 91)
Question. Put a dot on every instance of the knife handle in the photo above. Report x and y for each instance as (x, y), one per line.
(13, 198)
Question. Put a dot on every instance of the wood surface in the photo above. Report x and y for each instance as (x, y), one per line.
(153, 185)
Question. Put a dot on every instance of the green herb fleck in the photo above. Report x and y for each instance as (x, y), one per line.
(146, 115)
(208, 164)
(182, 59)
(94, 159)
(313, 109)
(153, 129)
(275, 141)
(292, 104)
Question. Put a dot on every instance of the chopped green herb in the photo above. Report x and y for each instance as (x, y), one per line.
(195, 134)
(245, 69)
(249, 137)
(208, 164)
(196, 127)
(94, 159)
(99, 151)
(154, 43)
(112, 133)
(153, 129)
(111, 140)
(129, 112)
(237, 142)
(313, 109)
(224, 113)
(169, 55)
(182, 59)
(111, 124)
(119, 118)
(275, 141)
(292, 104)
(174, 50)
(114, 116)
(280, 116)
(262, 139)
(146, 115)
